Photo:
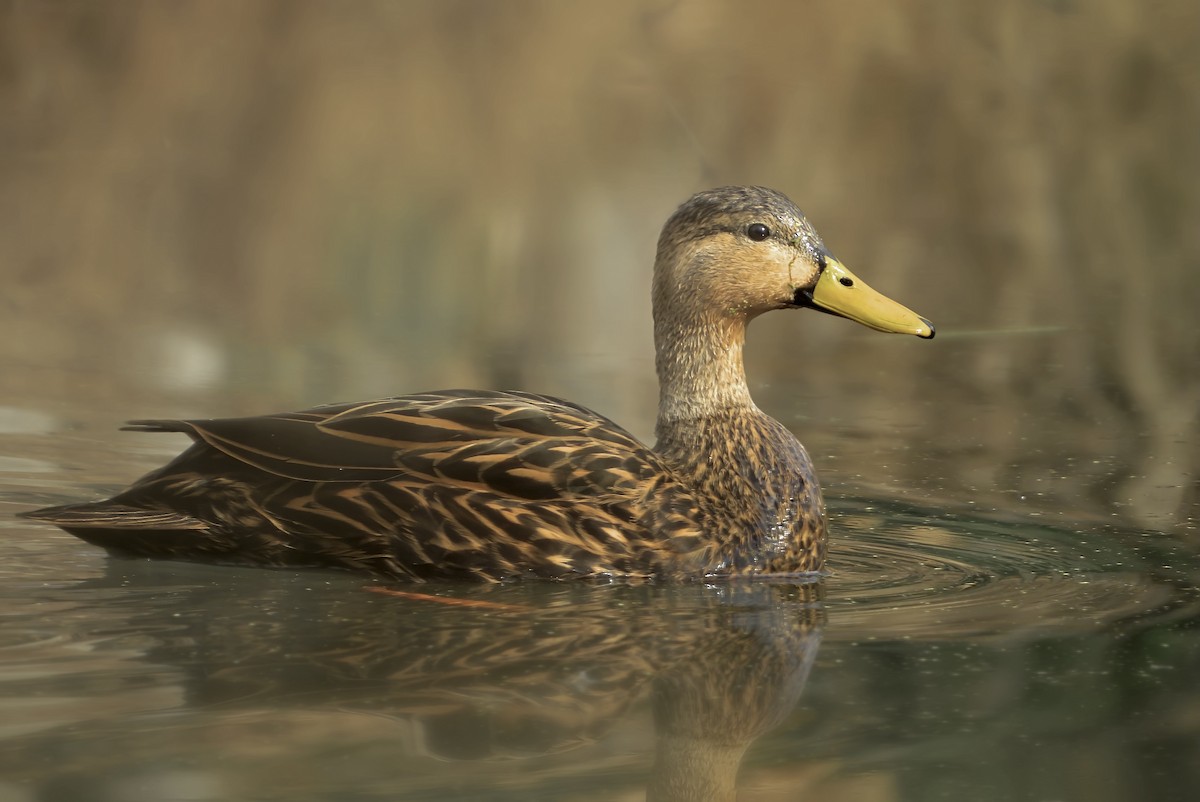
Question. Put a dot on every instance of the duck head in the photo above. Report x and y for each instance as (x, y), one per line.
(736, 252)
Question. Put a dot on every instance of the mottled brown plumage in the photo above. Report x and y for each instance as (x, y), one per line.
(497, 485)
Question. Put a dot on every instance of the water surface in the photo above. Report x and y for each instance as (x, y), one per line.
(944, 656)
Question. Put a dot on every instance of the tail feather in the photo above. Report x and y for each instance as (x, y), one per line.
(126, 531)
(159, 425)
(114, 516)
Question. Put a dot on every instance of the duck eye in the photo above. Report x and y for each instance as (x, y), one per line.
(757, 232)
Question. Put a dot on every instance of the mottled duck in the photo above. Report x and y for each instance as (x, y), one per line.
(495, 485)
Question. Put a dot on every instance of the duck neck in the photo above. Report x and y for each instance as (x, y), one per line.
(700, 371)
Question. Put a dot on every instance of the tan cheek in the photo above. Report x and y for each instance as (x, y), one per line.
(760, 284)
(783, 271)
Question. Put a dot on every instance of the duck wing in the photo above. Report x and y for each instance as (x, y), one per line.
(521, 444)
(459, 483)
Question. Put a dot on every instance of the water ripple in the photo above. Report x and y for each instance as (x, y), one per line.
(902, 572)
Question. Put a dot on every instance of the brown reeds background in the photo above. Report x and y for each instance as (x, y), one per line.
(219, 207)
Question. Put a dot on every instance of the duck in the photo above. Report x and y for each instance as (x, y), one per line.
(498, 485)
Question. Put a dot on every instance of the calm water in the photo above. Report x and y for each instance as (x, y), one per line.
(946, 656)
(212, 208)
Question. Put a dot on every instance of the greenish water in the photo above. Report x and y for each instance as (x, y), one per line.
(944, 657)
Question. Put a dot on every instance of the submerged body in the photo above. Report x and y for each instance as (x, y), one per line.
(497, 485)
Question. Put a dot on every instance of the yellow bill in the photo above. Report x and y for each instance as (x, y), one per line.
(840, 292)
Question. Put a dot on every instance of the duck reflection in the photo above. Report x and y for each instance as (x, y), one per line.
(502, 672)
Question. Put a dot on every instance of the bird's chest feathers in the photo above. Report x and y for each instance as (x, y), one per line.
(749, 467)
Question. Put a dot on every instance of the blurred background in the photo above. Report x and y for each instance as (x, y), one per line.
(218, 207)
